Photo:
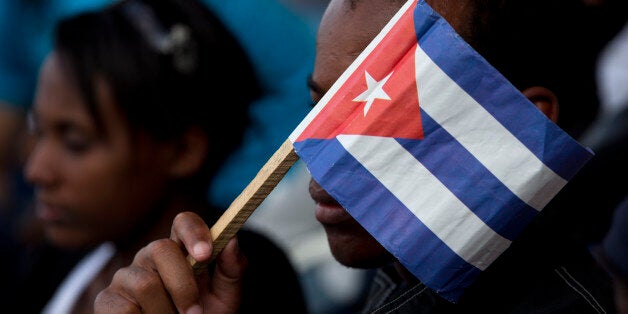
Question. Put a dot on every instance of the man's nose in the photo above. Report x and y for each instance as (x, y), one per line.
(319, 194)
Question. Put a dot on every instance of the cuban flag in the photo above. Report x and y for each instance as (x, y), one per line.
(434, 152)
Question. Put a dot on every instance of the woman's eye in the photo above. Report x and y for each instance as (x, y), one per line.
(76, 143)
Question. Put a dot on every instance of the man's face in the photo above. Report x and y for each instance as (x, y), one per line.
(345, 31)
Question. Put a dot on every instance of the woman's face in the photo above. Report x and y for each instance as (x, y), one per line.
(91, 184)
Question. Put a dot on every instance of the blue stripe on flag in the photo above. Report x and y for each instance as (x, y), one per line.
(536, 132)
(383, 215)
(469, 180)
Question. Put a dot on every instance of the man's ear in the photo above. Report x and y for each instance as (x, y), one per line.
(544, 99)
(191, 151)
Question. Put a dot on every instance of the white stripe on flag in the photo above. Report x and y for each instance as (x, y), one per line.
(427, 198)
(483, 136)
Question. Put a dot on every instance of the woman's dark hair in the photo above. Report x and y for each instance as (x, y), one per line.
(170, 65)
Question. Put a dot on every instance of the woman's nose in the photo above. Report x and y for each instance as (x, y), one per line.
(38, 169)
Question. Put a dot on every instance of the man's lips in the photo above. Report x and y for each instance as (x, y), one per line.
(328, 210)
(330, 214)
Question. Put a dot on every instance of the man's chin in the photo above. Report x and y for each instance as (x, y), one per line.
(359, 253)
(363, 261)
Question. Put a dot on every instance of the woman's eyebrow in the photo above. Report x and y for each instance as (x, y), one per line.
(314, 86)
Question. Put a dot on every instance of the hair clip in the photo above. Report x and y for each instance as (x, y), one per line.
(178, 42)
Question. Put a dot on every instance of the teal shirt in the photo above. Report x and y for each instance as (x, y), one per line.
(281, 45)
(26, 28)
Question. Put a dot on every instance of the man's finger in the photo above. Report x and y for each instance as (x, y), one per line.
(111, 300)
(135, 289)
(191, 231)
(171, 271)
(227, 279)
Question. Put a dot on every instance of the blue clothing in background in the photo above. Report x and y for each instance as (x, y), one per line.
(26, 29)
(281, 45)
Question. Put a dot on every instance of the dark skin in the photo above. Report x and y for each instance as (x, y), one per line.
(345, 30)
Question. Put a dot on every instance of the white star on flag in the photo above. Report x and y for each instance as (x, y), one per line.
(375, 90)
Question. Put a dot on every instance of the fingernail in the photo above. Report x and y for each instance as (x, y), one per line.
(195, 309)
(201, 249)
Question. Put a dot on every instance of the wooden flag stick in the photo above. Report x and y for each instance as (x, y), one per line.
(251, 197)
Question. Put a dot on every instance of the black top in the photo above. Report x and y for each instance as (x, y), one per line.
(30, 277)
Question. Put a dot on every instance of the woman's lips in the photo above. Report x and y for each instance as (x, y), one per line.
(49, 213)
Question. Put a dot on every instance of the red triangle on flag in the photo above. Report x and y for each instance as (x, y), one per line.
(380, 98)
